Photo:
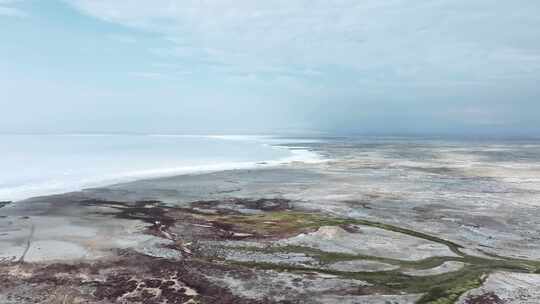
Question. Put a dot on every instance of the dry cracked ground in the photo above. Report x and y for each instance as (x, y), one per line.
(380, 223)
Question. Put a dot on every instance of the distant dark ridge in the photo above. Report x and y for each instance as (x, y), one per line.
(4, 203)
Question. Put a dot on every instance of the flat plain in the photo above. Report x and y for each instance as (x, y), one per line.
(376, 221)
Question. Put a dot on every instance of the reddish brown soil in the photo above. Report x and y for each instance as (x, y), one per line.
(132, 278)
(487, 298)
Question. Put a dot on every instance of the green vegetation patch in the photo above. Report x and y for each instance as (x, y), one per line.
(443, 288)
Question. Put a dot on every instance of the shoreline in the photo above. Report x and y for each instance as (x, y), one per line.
(297, 154)
(363, 228)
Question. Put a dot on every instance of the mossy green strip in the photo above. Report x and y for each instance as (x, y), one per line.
(437, 289)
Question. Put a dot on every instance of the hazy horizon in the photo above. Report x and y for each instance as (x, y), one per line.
(301, 135)
(445, 68)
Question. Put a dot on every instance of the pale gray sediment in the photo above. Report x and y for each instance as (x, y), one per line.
(367, 240)
(361, 266)
(448, 266)
(508, 288)
(380, 222)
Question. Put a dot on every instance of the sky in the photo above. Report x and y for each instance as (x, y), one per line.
(273, 66)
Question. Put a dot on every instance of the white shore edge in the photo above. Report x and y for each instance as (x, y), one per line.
(298, 154)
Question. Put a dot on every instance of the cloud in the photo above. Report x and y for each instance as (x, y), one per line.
(449, 41)
(170, 75)
(335, 65)
(148, 75)
(7, 10)
(123, 38)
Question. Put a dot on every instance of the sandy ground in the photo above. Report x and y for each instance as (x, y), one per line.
(508, 288)
(474, 202)
(370, 241)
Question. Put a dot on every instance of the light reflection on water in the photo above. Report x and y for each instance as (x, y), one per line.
(43, 164)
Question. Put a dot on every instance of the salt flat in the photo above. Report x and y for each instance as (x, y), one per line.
(410, 223)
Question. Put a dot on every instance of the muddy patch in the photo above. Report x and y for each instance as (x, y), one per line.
(4, 203)
(241, 205)
(487, 298)
(131, 278)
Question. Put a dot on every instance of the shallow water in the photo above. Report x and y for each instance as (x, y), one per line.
(44, 164)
